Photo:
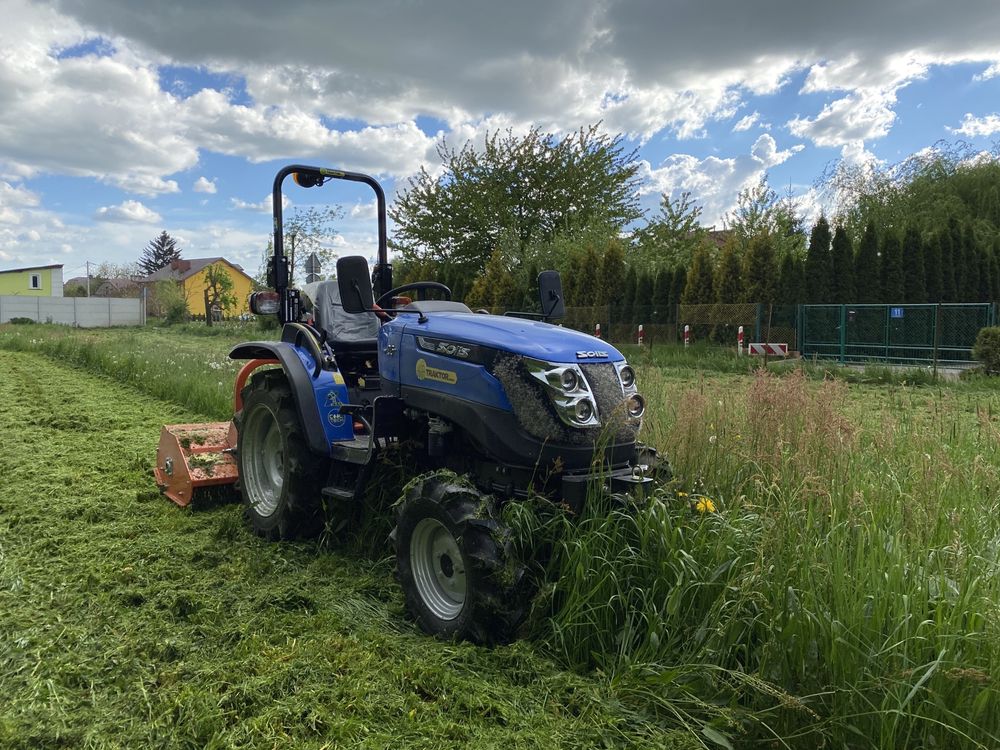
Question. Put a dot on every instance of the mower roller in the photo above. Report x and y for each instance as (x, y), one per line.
(493, 409)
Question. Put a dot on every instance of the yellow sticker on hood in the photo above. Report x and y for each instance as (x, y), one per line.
(432, 373)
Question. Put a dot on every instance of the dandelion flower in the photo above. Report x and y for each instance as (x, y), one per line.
(704, 505)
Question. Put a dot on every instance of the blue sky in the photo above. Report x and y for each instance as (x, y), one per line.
(119, 120)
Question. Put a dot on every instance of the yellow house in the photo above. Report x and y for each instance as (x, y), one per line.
(190, 274)
(37, 281)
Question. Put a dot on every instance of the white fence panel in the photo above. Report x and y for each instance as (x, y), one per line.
(85, 312)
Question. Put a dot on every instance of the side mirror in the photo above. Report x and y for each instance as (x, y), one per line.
(265, 303)
(550, 295)
(354, 284)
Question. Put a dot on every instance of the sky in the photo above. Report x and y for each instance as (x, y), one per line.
(120, 119)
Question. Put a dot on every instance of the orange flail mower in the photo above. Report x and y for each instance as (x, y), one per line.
(192, 456)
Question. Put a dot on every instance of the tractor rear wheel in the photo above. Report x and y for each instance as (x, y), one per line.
(280, 479)
(455, 563)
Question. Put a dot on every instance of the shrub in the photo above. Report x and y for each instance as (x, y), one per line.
(987, 349)
(22, 321)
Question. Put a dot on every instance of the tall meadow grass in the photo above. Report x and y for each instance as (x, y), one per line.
(846, 592)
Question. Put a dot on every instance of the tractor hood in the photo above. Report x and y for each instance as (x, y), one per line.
(529, 338)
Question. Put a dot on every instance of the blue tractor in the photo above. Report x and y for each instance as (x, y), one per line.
(497, 407)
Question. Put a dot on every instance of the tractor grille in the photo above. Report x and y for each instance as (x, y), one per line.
(607, 389)
(536, 415)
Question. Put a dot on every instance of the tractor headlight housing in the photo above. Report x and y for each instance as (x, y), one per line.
(568, 391)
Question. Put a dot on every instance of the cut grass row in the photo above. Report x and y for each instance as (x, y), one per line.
(127, 622)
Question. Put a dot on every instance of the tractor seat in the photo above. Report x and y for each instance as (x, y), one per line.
(346, 332)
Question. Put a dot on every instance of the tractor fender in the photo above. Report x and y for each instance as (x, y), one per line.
(299, 380)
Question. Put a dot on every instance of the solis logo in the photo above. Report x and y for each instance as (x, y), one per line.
(590, 355)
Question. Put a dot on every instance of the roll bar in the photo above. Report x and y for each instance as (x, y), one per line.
(306, 176)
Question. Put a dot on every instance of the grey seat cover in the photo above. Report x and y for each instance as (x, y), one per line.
(322, 298)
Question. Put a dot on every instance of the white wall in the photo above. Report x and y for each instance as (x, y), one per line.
(86, 312)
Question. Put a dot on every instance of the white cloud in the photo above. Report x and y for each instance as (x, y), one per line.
(367, 210)
(857, 117)
(204, 185)
(713, 181)
(854, 153)
(765, 150)
(263, 206)
(745, 123)
(16, 195)
(991, 72)
(975, 127)
(128, 211)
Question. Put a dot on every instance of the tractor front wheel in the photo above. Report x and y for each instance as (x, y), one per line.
(454, 562)
(280, 479)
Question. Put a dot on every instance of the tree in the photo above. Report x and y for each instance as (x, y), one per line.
(643, 297)
(866, 268)
(168, 301)
(531, 187)
(728, 274)
(949, 280)
(672, 237)
(662, 288)
(758, 211)
(218, 291)
(627, 305)
(612, 274)
(759, 271)
(819, 266)
(306, 231)
(893, 289)
(680, 283)
(842, 267)
(932, 268)
(914, 279)
(959, 262)
(791, 281)
(496, 286)
(970, 265)
(159, 252)
(700, 286)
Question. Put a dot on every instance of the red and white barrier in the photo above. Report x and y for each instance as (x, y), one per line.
(687, 335)
(739, 342)
(640, 337)
(769, 350)
(597, 330)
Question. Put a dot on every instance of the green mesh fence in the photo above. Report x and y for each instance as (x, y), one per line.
(900, 334)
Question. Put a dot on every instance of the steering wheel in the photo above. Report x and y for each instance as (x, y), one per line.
(419, 286)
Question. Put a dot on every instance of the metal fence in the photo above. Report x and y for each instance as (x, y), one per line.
(900, 334)
(894, 334)
(85, 312)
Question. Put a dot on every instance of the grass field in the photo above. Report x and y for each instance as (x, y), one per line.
(845, 594)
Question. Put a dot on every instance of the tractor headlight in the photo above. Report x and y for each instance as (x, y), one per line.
(568, 391)
(627, 376)
(569, 380)
(635, 405)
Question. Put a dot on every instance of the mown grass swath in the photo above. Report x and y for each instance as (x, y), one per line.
(845, 594)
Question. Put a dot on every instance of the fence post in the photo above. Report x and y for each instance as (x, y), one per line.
(937, 330)
(888, 312)
(758, 324)
(843, 333)
(38, 309)
(798, 329)
(109, 312)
